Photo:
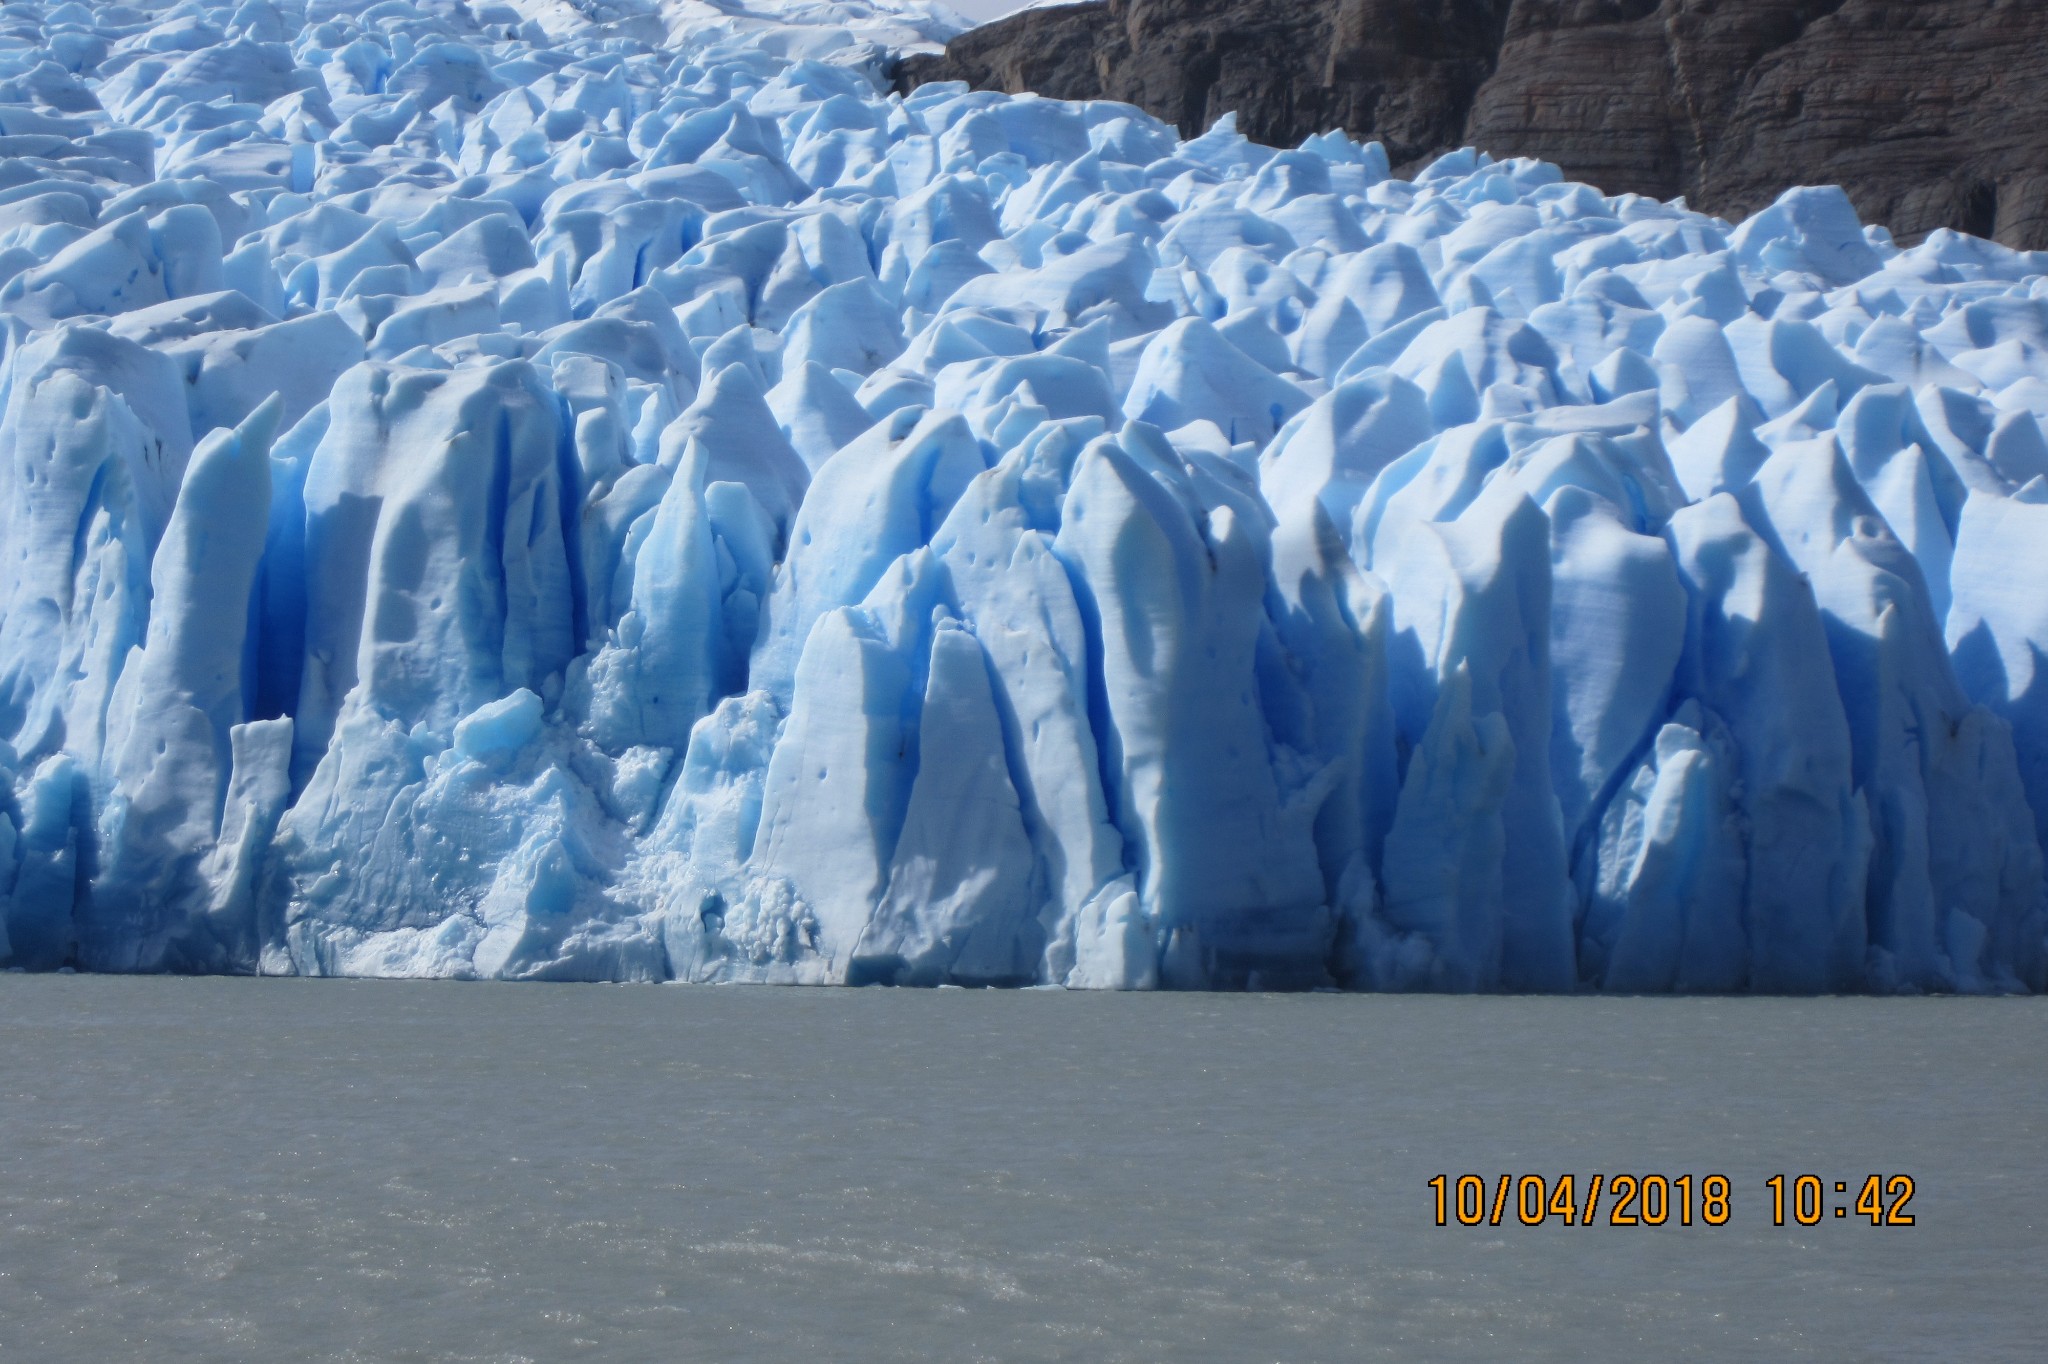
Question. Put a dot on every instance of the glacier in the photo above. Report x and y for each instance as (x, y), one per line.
(608, 491)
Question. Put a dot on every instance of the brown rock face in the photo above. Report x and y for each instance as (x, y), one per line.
(1931, 113)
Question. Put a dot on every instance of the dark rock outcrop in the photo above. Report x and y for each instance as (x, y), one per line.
(1932, 113)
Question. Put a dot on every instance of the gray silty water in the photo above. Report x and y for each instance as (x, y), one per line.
(236, 1169)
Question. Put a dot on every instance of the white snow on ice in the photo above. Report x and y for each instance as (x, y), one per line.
(533, 488)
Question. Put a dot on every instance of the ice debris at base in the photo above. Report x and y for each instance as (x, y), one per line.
(516, 489)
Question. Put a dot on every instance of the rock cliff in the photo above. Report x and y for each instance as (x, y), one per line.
(1931, 113)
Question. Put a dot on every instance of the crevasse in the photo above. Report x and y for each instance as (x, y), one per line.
(602, 491)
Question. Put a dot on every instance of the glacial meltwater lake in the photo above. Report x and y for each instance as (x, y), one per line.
(298, 1170)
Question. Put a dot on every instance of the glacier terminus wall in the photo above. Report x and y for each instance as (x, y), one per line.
(603, 491)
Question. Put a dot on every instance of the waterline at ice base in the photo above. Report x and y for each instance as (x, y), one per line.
(514, 490)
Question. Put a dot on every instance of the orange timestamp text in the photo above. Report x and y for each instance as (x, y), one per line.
(1628, 1200)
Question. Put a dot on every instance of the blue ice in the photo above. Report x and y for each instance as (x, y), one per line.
(606, 491)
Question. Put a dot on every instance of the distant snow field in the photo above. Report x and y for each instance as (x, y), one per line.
(984, 10)
(599, 491)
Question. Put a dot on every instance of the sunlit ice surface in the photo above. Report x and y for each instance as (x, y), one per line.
(609, 492)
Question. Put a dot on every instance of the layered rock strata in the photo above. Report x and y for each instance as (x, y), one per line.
(1931, 113)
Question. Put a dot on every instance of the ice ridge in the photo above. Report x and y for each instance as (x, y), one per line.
(589, 490)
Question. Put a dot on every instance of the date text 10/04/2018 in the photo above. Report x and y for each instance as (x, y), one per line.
(1662, 1200)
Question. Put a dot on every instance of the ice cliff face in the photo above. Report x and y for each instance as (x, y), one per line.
(533, 490)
